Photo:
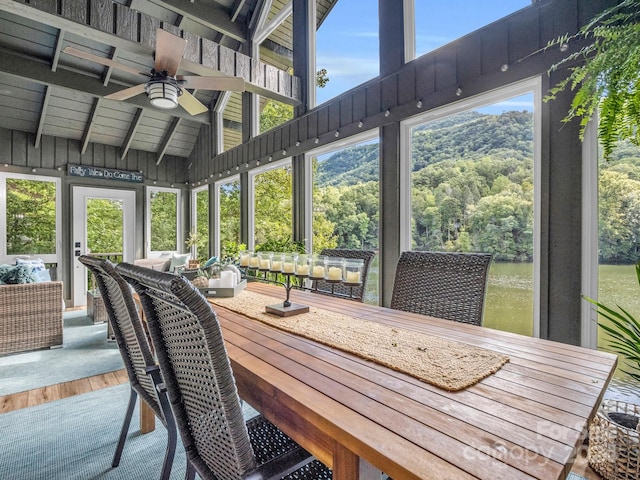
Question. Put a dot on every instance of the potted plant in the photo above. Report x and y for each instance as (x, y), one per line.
(614, 436)
(192, 242)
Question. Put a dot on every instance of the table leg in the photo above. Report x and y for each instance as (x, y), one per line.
(348, 466)
(147, 418)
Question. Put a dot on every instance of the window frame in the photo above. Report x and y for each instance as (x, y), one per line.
(308, 178)
(179, 237)
(252, 174)
(531, 85)
(217, 247)
(55, 257)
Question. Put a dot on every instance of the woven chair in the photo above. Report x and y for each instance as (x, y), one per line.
(355, 293)
(442, 284)
(144, 374)
(188, 342)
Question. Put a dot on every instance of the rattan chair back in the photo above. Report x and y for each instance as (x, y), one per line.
(442, 284)
(139, 362)
(356, 293)
(188, 342)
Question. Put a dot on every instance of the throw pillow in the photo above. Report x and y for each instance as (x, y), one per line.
(18, 274)
(178, 260)
(38, 268)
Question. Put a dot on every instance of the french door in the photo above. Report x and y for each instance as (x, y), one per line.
(103, 224)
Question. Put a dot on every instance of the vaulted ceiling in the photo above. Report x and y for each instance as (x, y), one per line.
(46, 91)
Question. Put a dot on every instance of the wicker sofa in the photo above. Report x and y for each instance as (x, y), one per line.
(30, 316)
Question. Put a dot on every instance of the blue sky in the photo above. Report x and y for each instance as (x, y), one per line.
(347, 41)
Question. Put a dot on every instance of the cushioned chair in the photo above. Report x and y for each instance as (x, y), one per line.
(442, 284)
(144, 374)
(188, 342)
(356, 293)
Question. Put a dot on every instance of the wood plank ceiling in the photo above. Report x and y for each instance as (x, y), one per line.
(45, 91)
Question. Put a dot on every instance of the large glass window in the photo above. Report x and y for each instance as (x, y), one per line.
(164, 218)
(228, 216)
(30, 217)
(472, 182)
(200, 220)
(436, 24)
(619, 231)
(345, 205)
(347, 47)
(272, 206)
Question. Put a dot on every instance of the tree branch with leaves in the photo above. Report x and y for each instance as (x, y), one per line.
(608, 80)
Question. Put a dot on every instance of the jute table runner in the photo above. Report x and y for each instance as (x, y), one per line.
(444, 363)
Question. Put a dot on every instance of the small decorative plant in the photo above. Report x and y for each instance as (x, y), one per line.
(192, 242)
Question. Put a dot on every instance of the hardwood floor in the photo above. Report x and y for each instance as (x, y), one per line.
(30, 398)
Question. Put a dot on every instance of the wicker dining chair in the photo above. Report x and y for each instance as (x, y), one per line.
(442, 284)
(188, 342)
(355, 293)
(143, 371)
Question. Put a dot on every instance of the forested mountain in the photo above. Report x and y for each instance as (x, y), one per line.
(465, 136)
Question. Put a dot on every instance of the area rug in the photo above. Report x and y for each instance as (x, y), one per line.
(74, 439)
(444, 363)
(85, 352)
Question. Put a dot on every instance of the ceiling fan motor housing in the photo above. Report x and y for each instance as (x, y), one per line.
(163, 90)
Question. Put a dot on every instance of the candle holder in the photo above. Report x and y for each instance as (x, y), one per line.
(292, 271)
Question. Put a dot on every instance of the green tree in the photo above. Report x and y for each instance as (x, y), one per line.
(31, 217)
(273, 207)
(230, 214)
(104, 225)
(164, 221)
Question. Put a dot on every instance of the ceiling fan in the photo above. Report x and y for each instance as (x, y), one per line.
(165, 89)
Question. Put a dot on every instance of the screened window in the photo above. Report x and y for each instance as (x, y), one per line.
(164, 218)
(30, 217)
(345, 206)
(271, 206)
(228, 216)
(472, 182)
(200, 221)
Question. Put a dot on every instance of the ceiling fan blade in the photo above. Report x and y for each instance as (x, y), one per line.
(169, 51)
(234, 84)
(127, 92)
(191, 104)
(107, 62)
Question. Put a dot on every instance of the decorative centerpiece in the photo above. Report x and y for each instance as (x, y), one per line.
(293, 270)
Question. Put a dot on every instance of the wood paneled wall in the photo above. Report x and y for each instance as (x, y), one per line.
(18, 152)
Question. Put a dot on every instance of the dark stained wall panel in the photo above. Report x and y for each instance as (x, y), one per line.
(101, 16)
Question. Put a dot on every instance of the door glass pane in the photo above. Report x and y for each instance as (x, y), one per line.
(105, 228)
(229, 218)
(345, 204)
(472, 191)
(31, 217)
(164, 221)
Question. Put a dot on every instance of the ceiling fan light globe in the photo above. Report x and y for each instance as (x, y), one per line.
(163, 95)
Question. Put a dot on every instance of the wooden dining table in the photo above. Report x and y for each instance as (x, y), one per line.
(528, 420)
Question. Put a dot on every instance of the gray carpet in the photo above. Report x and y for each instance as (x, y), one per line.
(85, 352)
(74, 439)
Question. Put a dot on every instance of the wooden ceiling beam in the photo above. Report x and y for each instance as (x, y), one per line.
(86, 136)
(55, 58)
(32, 70)
(43, 115)
(261, 79)
(133, 129)
(216, 18)
(168, 136)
